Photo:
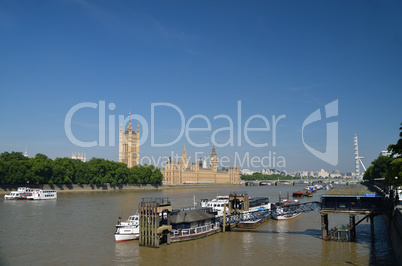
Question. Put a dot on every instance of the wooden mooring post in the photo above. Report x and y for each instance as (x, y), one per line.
(324, 225)
(352, 226)
(154, 222)
(149, 222)
(372, 227)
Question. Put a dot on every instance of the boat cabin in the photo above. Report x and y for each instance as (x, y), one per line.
(190, 219)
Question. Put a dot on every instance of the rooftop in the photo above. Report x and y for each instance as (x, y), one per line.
(189, 216)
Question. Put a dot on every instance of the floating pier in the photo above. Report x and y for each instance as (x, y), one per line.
(352, 200)
(156, 218)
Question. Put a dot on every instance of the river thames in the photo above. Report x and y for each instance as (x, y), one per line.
(78, 229)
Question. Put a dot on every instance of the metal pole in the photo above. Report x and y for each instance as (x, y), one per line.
(224, 218)
(372, 227)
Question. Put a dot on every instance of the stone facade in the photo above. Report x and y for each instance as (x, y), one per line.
(129, 145)
(181, 172)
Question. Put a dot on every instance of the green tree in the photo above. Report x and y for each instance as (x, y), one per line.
(396, 149)
(17, 169)
(42, 168)
(13, 156)
(378, 168)
(394, 175)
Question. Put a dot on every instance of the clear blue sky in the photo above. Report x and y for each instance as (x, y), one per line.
(275, 57)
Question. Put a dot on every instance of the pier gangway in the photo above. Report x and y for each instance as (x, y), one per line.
(266, 214)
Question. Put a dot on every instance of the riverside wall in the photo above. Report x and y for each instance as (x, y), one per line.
(65, 188)
(394, 223)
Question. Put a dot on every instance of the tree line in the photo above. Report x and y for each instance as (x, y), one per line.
(261, 177)
(15, 168)
(388, 167)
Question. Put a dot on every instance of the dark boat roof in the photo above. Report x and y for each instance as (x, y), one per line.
(189, 216)
(259, 198)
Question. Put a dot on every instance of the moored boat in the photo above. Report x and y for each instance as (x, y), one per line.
(286, 216)
(21, 193)
(285, 210)
(42, 194)
(302, 194)
(192, 224)
(32, 194)
(128, 230)
(298, 194)
(216, 204)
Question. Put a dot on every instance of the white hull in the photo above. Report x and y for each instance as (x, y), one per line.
(21, 193)
(128, 230)
(121, 238)
(286, 216)
(43, 194)
(31, 194)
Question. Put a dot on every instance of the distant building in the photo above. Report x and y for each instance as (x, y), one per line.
(322, 173)
(129, 145)
(247, 172)
(204, 164)
(79, 156)
(181, 172)
(273, 172)
(301, 174)
(335, 173)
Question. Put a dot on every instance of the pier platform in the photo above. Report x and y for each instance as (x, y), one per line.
(356, 199)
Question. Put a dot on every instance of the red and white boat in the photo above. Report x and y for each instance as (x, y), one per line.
(21, 193)
(128, 230)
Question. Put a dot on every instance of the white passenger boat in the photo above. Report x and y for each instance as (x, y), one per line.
(21, 193)
(42, 194)
(32, 194)
(217, 204)
(128, 230)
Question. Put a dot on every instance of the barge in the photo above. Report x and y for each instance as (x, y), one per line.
(192, 224)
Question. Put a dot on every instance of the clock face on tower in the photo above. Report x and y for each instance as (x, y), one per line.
(212, 159)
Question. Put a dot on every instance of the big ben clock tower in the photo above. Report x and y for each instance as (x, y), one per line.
(213, 160)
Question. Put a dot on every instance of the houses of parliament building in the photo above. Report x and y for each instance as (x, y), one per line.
(179, 171)
(129, 145)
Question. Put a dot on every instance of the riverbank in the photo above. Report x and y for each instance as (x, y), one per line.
(394, 227)
(67, 188)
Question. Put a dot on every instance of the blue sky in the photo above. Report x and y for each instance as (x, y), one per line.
(274, 57)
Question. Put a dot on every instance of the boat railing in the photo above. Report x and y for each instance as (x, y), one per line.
(195, 230)
(161, 201)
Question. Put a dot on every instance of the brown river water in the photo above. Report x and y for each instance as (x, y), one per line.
(78, 228)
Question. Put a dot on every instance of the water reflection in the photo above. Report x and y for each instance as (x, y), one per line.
(247, 240)
(281, 228)
(127, 252)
